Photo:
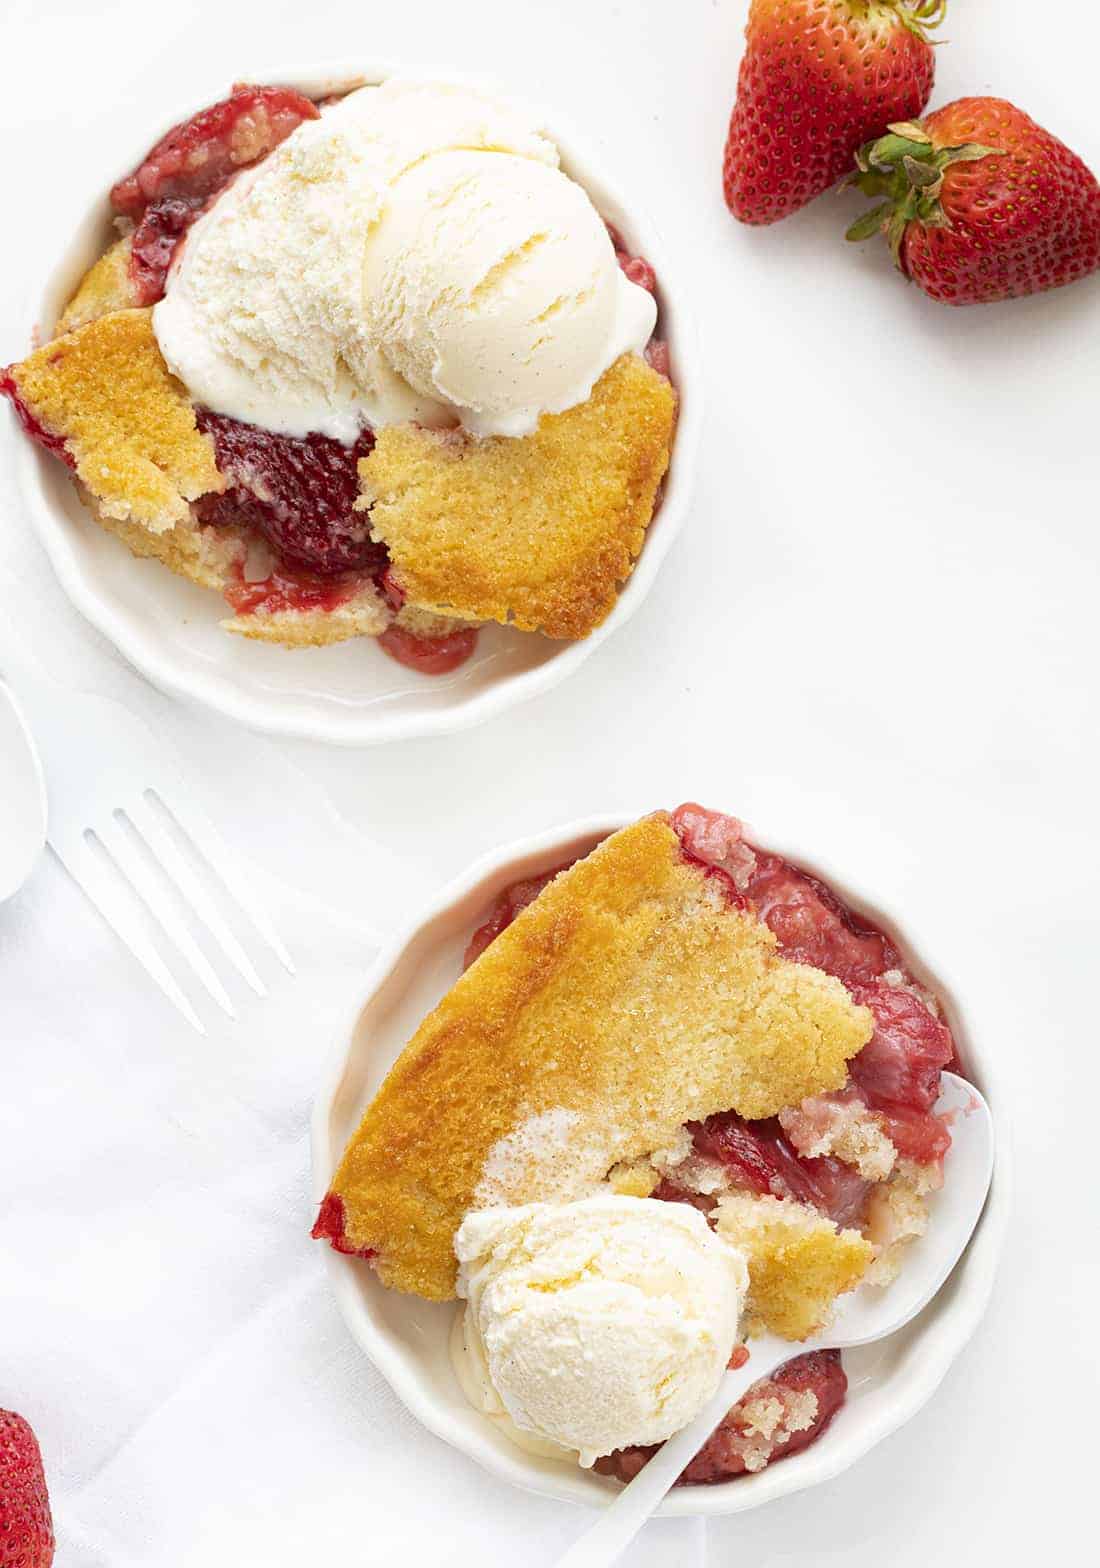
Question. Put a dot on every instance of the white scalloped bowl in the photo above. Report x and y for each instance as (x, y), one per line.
(350, 694)
(407, 1339)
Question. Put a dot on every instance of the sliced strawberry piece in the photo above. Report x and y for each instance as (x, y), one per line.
(505, 909)
(194, 162)
(331, 1226)
(738, 1445)
(715, 840)
(814, 927)
(299, 494)
(758, 1157)
(909, 1048)
(429, 655)
(916, 1135)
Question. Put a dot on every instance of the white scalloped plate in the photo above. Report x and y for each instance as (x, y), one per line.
(351, 694)
(407, 1339)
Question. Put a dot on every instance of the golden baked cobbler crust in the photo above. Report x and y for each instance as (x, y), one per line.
(539, 531)
(629, 998)
(105, 287)
(127, 423)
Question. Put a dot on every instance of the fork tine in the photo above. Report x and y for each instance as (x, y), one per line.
(193, 824)
(122, 842)
(89, 865)
(165, 847)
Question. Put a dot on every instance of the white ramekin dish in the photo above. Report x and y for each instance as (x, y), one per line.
(350, 694)
(407, 1339)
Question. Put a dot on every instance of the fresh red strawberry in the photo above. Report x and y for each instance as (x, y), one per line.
(818, 79)
(981, 204)
(26, 1529)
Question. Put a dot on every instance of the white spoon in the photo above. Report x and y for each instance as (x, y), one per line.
(22, 798)
(863, 1316)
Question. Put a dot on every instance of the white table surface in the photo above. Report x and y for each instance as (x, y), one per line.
(879, 633)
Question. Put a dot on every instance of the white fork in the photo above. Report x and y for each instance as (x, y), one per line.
(122, 823)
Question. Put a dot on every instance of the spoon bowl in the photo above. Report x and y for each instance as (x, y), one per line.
(863, 1316)
(22, 797)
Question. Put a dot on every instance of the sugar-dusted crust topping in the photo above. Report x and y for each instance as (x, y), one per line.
(127, 423)
(630, 997)
(105, 287)
(799, 1261)
(539, 531)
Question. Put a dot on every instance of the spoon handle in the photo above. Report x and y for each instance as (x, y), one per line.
(620, 1522)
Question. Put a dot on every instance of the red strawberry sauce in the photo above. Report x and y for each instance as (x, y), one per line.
(896, 1075)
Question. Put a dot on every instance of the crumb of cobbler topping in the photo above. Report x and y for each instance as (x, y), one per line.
(633, 1179)
(896, 1215)
(799, 1261)
(842, 1125)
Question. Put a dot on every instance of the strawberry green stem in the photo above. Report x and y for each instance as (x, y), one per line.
(908, 170)
(922, 16)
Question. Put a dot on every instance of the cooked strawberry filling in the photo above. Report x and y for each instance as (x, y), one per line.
(331, 1225)
(282, 591)
(195, 161)
(299, 493)
(757, 1156)
(778, 1417)
(895, 1077)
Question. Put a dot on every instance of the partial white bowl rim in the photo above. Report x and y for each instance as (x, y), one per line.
(212, 689)
(945, 1327)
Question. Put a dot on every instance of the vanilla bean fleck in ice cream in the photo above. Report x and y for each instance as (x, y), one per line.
(414, 254)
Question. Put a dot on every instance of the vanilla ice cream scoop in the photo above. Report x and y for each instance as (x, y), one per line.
(413, 254)
(603, 1323)
(491, 285)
